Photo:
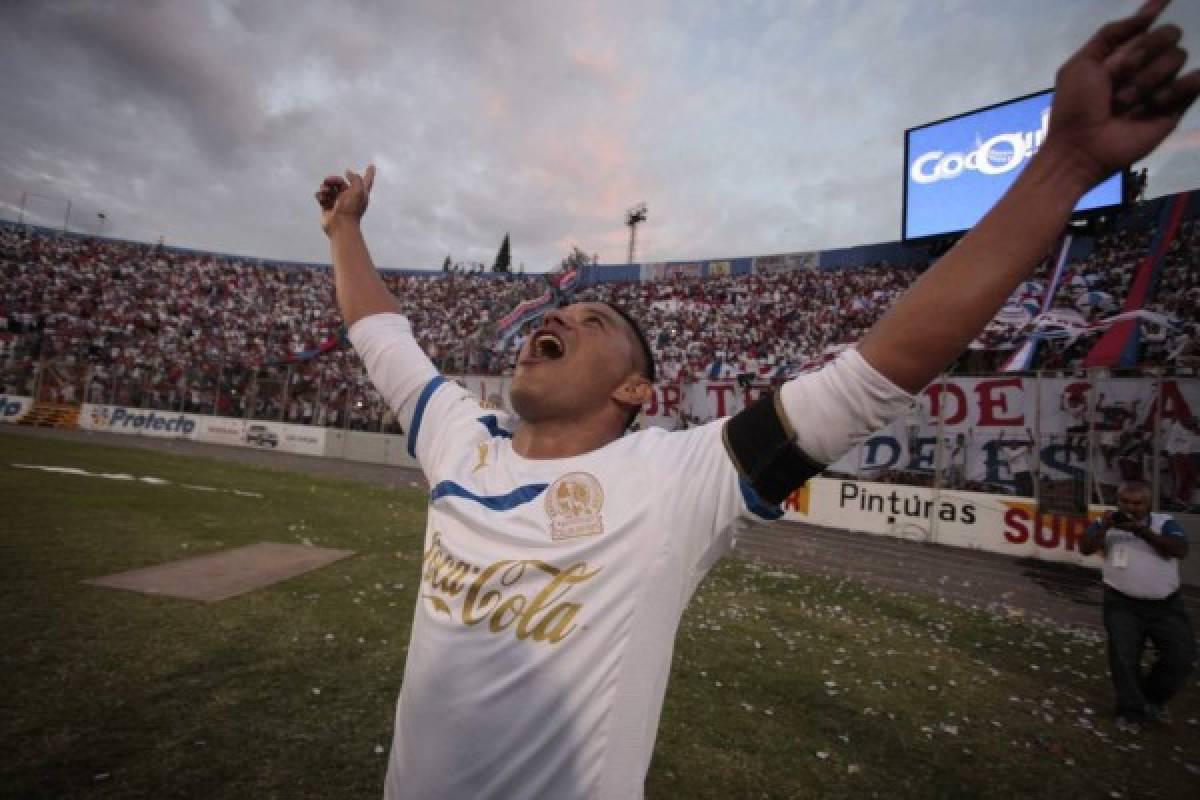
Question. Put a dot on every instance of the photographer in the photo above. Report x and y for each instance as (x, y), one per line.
(1142, 601)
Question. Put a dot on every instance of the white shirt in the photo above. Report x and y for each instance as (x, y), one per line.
(1133, 567)
(551, 589)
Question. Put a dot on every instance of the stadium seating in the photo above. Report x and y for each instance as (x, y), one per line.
(111, 321)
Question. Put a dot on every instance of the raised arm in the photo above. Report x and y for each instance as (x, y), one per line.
(360, 290)
(398, 368)
(1115, 101)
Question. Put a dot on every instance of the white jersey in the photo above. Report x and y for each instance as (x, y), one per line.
(550, 593)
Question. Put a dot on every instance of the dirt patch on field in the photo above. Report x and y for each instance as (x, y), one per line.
(229, 573)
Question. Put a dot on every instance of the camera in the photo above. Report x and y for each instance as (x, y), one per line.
(1121, 518)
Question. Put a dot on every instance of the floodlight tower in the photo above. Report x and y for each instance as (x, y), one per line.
(633, 216)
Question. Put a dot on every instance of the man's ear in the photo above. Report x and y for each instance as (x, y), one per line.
(635, 391)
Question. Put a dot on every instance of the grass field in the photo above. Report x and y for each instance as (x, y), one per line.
(782, 685)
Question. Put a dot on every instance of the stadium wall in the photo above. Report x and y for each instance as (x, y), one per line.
(995, 523)
(308, 440)
(896, 253)
(1009, 526)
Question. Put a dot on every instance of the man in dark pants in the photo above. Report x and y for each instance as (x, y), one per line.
(1142, 600)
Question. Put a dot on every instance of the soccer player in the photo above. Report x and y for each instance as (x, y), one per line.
(560, 552)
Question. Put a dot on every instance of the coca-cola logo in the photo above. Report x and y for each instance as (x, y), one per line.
(529, 598)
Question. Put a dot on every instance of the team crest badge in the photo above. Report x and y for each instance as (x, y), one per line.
(573, 504)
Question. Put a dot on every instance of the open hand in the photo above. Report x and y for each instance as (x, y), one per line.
(344, 199)
(1121, 94)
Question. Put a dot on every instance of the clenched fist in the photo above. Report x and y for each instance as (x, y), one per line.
(344, 199)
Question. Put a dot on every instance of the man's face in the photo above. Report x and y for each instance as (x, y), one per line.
(1134, 502)
(573, 363)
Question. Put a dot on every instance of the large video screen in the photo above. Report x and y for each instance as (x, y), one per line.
(956, 169)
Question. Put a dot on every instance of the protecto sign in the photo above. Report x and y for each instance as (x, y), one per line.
(12, 407)
(136, 420)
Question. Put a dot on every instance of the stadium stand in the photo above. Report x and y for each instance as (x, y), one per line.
(111, 321)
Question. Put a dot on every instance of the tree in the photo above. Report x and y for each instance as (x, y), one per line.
(576, 260)
(503, 262)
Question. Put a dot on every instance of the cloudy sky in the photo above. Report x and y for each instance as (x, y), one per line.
(747, 127)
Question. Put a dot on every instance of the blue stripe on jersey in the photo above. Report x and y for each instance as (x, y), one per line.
(415, 427)
(502, 502)
(493, 426)
(760, 507)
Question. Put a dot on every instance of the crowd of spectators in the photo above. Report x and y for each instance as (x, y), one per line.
(98, 320)
(136, 324)
(762, 326)
(1093, 289)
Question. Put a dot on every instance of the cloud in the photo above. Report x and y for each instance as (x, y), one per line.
(747, 128)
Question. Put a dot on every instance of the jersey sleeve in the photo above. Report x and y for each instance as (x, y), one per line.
(432, 410)
(838, 406)
(1172, 528)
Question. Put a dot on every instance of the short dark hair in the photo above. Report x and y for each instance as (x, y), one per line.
(648, 371)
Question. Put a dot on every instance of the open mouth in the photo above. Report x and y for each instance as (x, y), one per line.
(547, 346)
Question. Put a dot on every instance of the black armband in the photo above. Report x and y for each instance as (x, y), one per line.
(762, 444)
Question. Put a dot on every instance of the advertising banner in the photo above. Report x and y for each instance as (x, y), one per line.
(263, 435)
(305, 440)
(12, 407)
(141, 421)
(785, 262)
(221, 430)
(987, 426)
(260, 434)
(973, 520)
(662, 271)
